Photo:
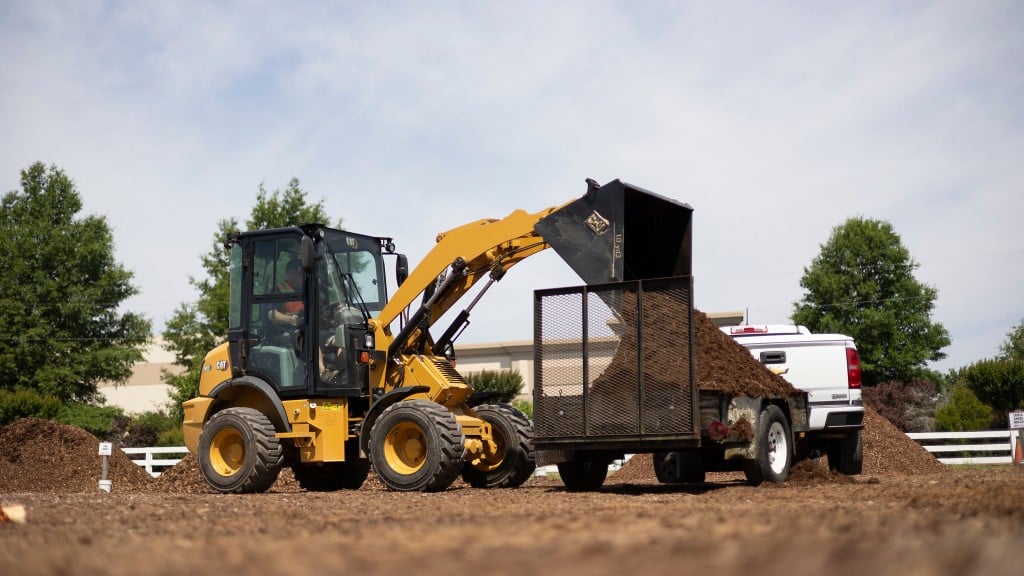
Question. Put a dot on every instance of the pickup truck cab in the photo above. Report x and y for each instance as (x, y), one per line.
(827, 367)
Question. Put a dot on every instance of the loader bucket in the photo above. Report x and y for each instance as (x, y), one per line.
(620, 232)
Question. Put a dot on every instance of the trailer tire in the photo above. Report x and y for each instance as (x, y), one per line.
(679, 467)
(513, 433)
(583, 475)
(416, 445)
(774, 449)
(846, 456)
(239, 451)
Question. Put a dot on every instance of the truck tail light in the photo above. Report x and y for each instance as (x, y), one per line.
(853, 375)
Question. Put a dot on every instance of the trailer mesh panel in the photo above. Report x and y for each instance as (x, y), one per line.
(614, 360)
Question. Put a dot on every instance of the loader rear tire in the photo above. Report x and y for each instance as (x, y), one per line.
(583, 475)
(416, 445)
(513, 433)
(239, 451)
(774, 449)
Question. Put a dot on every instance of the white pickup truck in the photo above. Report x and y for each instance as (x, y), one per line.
(827, 367)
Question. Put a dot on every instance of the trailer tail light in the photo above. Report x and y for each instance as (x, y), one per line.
(853, 374)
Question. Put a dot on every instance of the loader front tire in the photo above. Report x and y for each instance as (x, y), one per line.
(416, 445)
(514, 464)
(239, 451)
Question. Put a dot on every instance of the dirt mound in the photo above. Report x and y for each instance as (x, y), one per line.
(887, 451)
(45, 456)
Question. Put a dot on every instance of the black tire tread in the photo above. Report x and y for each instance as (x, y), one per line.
(450, 446)
(522, 467)
(269, 454)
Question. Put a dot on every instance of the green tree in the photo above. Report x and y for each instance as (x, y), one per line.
(60, 332)
(998, 383)
(197, 327)
(1013, 347)
(862, 284)
(963, 412)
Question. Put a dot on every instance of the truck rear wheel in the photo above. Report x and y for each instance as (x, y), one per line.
(239, 451)
(679, 467)
(416, 445)
(512, 433)
(583, 475)
(774, 445)
(846, 456)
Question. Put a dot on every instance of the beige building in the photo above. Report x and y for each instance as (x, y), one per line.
(145, 391)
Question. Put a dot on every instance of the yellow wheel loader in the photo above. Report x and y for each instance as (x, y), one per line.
(323, 372)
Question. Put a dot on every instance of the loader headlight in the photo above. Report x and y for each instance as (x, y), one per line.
(368, 341)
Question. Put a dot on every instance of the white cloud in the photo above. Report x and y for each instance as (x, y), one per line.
(776, 122)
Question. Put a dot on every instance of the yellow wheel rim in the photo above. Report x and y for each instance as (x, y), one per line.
(492, 460)
(227, 452)
(405, 448)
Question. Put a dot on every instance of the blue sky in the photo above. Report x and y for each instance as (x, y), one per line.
(776, 121)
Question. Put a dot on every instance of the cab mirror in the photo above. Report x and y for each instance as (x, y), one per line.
(401, 268)
(307, 253)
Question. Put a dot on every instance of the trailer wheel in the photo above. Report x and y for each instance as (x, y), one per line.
(846, 456)
(513, 435)
(679, 467)
(416, 445)
(583, 475)
(239, 451)
(774, 445)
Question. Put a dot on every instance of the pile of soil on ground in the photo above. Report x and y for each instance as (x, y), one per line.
(888, 451)
(45, 456)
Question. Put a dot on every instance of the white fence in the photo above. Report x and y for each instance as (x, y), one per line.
(987, 447)
(155, 466)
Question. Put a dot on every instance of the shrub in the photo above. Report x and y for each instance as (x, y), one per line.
(153, 429)
(505, 384)
(910, 407)
(26, 404)
(104, 422)
(963, 412)
(998, 383)
(524, 406)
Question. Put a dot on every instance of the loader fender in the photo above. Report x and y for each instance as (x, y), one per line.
(396, 395)
(255, 393)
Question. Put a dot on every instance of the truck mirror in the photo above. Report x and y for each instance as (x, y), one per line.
(401, 268)
(307, 253)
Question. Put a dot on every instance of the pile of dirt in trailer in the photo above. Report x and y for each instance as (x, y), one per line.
(887, 452)
(723, 364)
(720, 363)
(45, 456)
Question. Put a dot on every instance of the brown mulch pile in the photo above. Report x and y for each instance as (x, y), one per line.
(888, 451)
(723, 364)
(45, 456)
(185, 478)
